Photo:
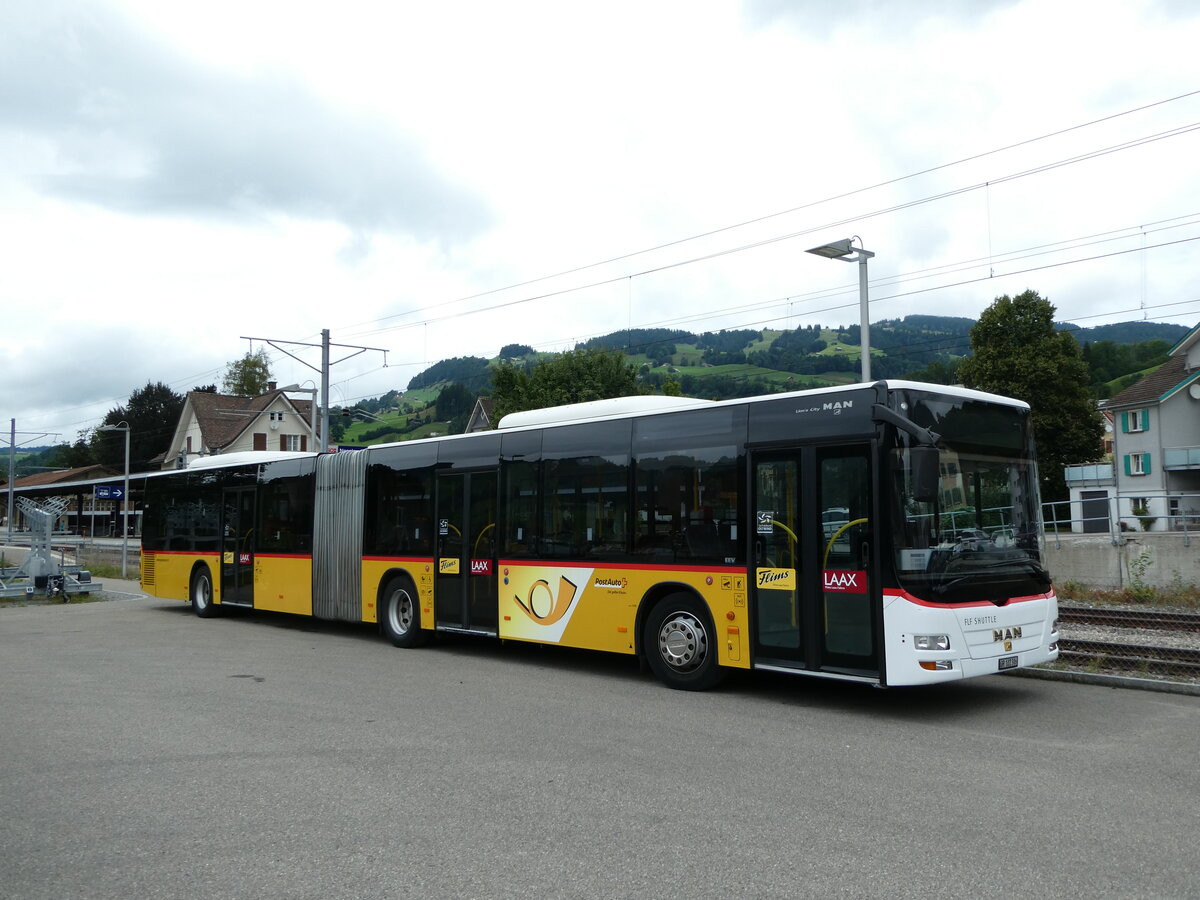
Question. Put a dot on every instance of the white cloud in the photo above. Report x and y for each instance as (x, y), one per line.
(175, 176)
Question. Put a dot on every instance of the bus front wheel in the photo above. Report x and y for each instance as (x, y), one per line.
(201, 592)
(400, 616)
(680, 644)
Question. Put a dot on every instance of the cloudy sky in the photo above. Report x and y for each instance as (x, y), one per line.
(440, 179)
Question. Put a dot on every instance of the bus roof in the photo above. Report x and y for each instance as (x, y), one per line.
(246, 457)
(955, 390)
(599, 409)
(654, 403)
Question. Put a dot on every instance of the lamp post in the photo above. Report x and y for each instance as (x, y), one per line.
(124, 426)
(846, 252)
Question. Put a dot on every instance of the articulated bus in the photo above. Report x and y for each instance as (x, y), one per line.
(883, 533)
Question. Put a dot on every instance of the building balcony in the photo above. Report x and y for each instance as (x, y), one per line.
(1097, 475)
(1180, 458)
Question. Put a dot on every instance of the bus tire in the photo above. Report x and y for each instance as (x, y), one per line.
(201, 593)
(680, 644)
(400, 614)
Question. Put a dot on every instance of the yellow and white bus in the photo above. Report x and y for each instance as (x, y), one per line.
(886, 533)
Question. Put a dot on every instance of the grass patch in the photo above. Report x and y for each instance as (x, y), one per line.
(105, 570)
(1178, 595)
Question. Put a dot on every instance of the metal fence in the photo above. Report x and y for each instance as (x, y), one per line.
(1120, 517)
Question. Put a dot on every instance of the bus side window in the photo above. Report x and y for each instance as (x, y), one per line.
(520, 536)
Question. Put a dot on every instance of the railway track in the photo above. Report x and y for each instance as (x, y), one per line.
(1108, 655)
(1130, 618)
(1131, 640)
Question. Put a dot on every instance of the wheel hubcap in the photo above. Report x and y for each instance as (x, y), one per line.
(400, 612)
(682, 642)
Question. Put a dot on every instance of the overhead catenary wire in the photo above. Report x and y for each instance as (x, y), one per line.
(812, 204)
(763, 242)
(745, 246)
(875, 300)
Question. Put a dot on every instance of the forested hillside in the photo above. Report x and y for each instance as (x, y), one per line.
(736, 363)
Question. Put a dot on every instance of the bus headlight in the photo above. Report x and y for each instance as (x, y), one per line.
(931, 641)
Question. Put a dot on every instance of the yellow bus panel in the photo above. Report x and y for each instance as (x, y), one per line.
(377, 570)
(596, 608)
(283, 584)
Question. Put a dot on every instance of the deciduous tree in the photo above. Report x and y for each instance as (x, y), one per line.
(574, 377)
(152, 414)
(1016, 351)
(248, 376)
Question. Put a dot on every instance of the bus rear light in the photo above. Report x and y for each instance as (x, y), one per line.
(931, 641)
(937, 665)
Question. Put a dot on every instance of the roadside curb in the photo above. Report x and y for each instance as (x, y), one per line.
(1112, 681)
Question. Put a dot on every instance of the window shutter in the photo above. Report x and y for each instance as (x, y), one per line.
(1125, 423)
(1145, 463)
(283, 442)
(304, 443)
(1128, 465)
(1145, 420)
(260, 440)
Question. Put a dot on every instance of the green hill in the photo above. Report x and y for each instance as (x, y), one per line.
(725, 364)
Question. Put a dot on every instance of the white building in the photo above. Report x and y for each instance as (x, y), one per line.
(1156, 453)
(219, 423)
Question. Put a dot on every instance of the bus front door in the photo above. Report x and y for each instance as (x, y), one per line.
(813, 594)
(237, 546)
(465, 597)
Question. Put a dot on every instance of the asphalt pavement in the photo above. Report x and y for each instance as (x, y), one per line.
(149, 753)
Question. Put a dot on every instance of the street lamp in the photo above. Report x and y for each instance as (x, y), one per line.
(313, 412)
(842, 250)
(124, 426)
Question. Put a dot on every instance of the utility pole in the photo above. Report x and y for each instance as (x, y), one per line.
(12, 464)
(325, 346)
(325, 388)
(12, 461)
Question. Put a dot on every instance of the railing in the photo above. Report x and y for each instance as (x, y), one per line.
(1176, 513)
(1181, 458)
(1097, 474)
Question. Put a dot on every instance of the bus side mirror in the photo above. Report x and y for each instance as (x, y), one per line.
(926, 473)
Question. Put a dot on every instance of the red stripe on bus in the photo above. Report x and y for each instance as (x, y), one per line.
(205, 553)
(404, 559)
(916, 601)
(638, 567)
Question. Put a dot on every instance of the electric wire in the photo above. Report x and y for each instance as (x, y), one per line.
(812, 204)
(1047, 167)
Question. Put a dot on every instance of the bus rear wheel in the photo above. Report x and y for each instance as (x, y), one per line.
(201, 592)
(400, 614)
(680, 644)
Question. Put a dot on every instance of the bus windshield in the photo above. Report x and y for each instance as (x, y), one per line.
(979, 536)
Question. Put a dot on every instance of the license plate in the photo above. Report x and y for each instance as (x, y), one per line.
(1008, 662)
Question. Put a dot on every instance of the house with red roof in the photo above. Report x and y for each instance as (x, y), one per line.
(1154, 478)
(213, 424)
